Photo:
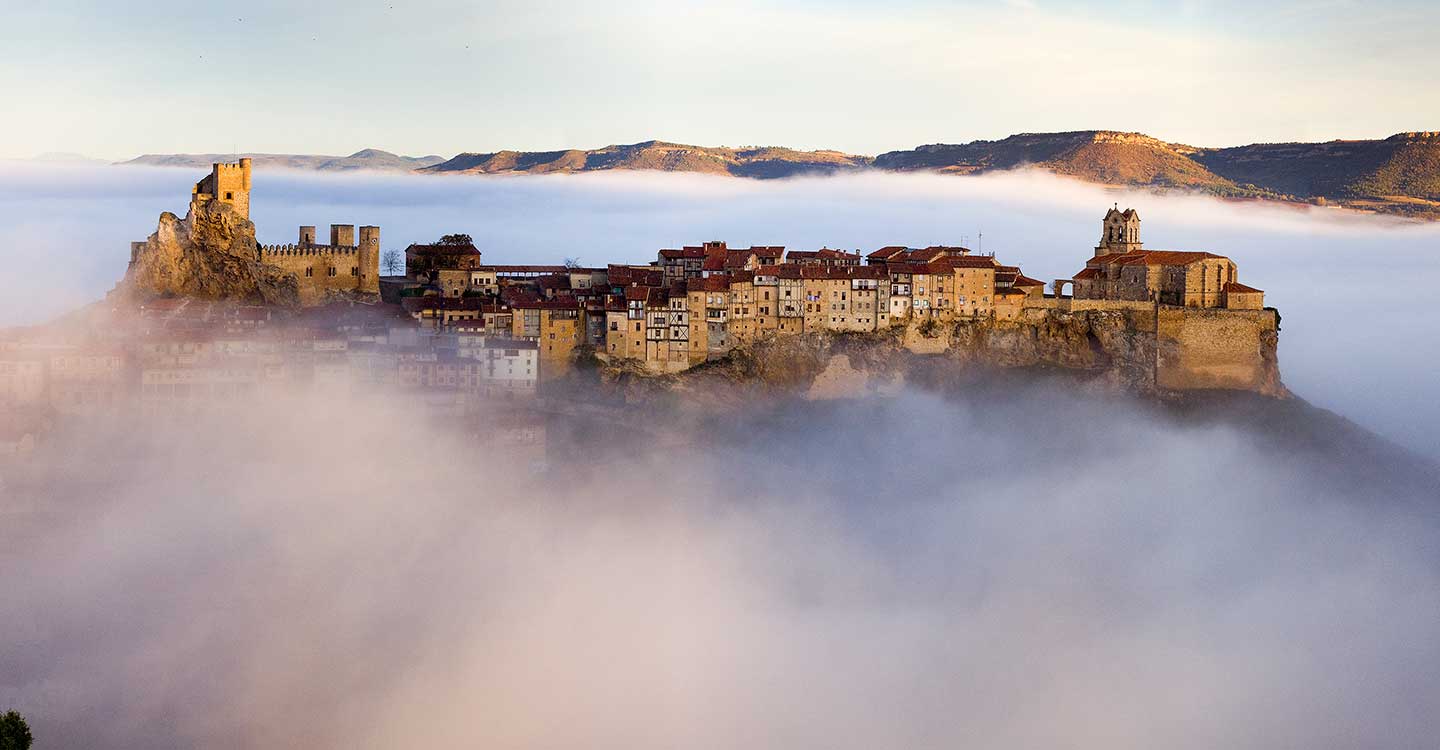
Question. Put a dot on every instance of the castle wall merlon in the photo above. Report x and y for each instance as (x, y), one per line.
(293, 249)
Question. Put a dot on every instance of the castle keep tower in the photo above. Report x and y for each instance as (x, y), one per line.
(226, 183)
(369, 259)
(1119, 232)
(342, 235)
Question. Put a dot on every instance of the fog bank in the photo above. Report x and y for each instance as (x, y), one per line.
(907, 573)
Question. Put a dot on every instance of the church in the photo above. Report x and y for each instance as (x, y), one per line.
(1121, 269)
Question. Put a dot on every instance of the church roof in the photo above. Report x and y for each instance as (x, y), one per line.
(1153, 258)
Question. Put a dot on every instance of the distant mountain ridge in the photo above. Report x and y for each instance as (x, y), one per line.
(1103, 156)
(1399, 174)
(369, 158)
(758, 162)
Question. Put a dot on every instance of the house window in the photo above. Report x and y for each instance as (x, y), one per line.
(229, 196)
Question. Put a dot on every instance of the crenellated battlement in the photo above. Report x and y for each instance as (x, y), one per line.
(226, 183)
(306, 249)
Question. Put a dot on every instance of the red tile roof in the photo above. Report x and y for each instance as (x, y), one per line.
(531, 269)
(1176, 257)
(684, 252)
(1153, 258)
(625, 276)
(885, 253)
(824, 253)
(1238, 288)
(971, 261)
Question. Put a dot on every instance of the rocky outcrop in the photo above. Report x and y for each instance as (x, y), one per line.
(210, 254)
(1096, 350)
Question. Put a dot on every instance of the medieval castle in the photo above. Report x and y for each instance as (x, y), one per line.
(341, 265)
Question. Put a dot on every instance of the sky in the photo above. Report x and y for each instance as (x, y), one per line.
(114, 80)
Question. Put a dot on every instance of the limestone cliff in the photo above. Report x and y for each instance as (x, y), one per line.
(1146, 352)
(210, 254)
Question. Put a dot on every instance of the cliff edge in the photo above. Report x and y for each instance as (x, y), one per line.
(1162, 352)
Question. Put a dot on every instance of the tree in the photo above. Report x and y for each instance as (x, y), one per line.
(392, 261)
(456, 239)
(14, 732)
(572, 262)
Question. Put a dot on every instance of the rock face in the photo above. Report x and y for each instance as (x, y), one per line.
(1173, 352)
(210, 254)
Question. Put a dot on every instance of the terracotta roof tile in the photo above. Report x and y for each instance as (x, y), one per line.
(885, 253)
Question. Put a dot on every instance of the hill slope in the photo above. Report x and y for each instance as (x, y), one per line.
(765, 162)
(370, 158)
(1403, 169)
(1102, 156)
(1400, 174)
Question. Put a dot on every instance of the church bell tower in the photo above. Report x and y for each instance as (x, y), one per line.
(1119, 232)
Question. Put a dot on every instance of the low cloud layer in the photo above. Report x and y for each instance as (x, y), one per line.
(908, 573)
(1359, 335)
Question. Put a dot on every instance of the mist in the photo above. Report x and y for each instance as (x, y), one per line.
(1358, 335)
(925, 571)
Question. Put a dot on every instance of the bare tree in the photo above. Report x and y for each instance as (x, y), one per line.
(392, 261)
(572, 263)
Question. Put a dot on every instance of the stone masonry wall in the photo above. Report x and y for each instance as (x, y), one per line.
(1208, 348)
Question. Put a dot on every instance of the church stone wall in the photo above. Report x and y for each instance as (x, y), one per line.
(1199, 348)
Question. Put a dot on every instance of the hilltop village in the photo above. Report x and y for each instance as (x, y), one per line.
(693, 304)
(207, 313)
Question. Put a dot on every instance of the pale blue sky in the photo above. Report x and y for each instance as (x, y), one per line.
(439, 76)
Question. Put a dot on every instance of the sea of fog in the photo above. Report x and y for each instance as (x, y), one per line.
(1359, 334)
(921, 572)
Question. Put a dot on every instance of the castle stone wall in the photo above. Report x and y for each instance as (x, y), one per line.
(321, 269)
